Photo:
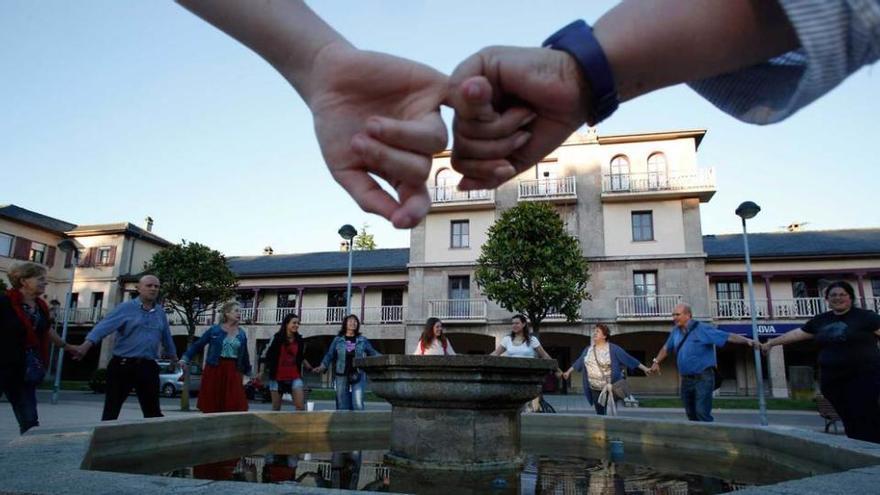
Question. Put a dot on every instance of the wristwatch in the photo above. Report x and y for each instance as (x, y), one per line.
(655, 361)
(577, 40)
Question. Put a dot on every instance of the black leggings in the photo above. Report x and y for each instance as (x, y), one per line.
(854, 396)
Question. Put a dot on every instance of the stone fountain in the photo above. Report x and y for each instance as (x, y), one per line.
(455, 412)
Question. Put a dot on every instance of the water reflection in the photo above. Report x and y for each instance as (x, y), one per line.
(541, 474)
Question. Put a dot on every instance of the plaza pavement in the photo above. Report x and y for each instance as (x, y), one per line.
(76, 409)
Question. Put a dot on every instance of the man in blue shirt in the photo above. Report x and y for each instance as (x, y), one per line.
(694, 343)
(140, 326)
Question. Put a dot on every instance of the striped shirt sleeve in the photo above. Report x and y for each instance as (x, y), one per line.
(837, 38)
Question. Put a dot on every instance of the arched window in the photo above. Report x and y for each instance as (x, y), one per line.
(445, 182)
(620, 173)
(657, 171)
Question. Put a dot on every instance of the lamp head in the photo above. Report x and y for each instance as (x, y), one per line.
(747, 210)
(347, 232)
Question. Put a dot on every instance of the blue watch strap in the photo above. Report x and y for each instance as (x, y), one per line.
(577, 40)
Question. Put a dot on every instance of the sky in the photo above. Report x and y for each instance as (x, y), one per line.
(113, 111)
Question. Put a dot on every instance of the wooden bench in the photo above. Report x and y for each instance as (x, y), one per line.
(826, 410)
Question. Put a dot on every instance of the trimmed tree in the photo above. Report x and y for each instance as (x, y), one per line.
(531, 265)
(364, 240)
(195, 281)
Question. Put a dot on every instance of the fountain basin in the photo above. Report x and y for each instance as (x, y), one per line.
(455, 412)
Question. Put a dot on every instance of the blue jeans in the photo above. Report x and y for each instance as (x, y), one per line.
(350, 397)
(21, 396)
(696, 394)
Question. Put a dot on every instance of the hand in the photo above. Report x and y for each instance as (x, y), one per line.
(655, 368)
(765, 347)
(379, 114)
(513, 106)
(318, 370)
(566, 374)
(79, 351)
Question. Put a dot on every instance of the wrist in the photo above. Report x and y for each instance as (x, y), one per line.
(655, 361)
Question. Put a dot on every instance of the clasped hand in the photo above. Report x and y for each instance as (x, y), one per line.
(376, 115)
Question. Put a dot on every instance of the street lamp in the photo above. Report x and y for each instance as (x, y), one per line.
(67, 246)
(745, 211)
(348, 232)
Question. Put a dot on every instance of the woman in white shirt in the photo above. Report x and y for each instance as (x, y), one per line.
(520, 342)
(433, 341)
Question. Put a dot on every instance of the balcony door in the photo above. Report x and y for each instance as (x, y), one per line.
(445, 182)
(459, 295)
(335, 305)
(392, 306)
(620, 173)
(548, 175)
(645, 290)
(657, 171)
(729, 299)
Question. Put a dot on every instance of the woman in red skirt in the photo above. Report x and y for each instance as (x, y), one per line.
(227, 360)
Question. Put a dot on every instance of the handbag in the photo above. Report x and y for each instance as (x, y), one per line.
(620, 388)
(34, 372)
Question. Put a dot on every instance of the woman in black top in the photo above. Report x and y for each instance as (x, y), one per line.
(285, 359)
(848, 358)
(26, 330)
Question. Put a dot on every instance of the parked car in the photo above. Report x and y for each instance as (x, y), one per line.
(171, 378)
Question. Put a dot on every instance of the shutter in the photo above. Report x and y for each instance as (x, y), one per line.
(22, 248)
(87, 257)
(111, 260)
(68, 259)
(50, 256)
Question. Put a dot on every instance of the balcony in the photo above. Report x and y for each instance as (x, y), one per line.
(554, 190)
(799, 308)
(81, 316)
(331, 315)
(648, 186)
(458, 309)
(450, 198)
(647, 308)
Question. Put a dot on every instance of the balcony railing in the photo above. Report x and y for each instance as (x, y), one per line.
(79, 316)
(322, 316)
(458, 309)
(797, 308)
(646, 307)
(451, 194)
(649, 182)
(547, 188)
(873, 303)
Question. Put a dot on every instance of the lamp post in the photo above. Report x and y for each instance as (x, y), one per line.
(348, 232)
(745, 211)
(72, 247)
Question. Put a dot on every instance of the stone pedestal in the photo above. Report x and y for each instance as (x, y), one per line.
(776, 372)
(455, 412)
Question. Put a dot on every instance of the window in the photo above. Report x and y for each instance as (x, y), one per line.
(445, 185)
(729, 299)
(459, 293)
(875, 291)
(37, 253)
(287, 299)
(645, 290)
(103, 256)
(392, 305)
(6, 244)
(245, 299)
(657, 171)
(643, 226)
(335, 305)
(620, 173)
(459, 236)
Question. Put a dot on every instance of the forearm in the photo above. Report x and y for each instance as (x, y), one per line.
(286, 33)
(687, 41)
(737, 339)
(661, 355)
(796, 335)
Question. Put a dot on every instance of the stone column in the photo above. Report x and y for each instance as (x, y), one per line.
(776, 372)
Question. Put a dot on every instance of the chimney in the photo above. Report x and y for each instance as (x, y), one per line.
(149, 221)
(268, 251)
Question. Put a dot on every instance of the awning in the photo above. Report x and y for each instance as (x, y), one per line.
(764, 329)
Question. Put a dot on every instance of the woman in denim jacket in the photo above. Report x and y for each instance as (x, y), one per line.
(348, 345)
(222, 389)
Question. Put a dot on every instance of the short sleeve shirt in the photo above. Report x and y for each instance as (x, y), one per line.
(845, 340)
(524, 350)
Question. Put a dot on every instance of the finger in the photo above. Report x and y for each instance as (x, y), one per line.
(482, 174)
(472, 99)
(424, 136)
(366, 192)
(392, 164)
(414, 205)
(508, 123)
(466, 148)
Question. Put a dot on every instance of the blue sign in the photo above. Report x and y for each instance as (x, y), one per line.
(764, 329)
